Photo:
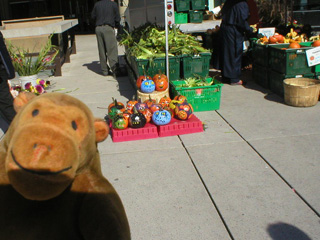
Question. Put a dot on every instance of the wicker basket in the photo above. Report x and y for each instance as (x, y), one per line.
(154, 95)
(301, 92)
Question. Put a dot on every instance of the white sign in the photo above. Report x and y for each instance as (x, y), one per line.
(313, 56)
(268, 32)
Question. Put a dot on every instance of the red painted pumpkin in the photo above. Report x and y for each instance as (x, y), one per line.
(161, 82)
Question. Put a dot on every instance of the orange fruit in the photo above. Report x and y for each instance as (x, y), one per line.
(294, 45)
(316, 43)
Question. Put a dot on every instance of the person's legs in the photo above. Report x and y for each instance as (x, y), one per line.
(112, 48)
(6, 99)
(100, 33)
(231, 47)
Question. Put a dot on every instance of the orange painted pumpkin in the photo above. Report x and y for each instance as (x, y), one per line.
(150, 101)
(165, 101)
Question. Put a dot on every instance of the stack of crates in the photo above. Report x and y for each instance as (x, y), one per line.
(275, 62)
(189, 11)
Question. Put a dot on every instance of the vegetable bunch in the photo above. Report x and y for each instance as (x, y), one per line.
(152, 42)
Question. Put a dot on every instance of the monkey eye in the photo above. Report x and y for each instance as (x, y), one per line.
(35, 112)
(74, 125)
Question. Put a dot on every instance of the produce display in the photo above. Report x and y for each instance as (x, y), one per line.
(149, 41)
(291, 37)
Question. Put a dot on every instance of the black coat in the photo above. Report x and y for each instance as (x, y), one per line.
(5, 59)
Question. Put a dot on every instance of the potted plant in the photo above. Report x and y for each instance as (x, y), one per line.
(28, 65)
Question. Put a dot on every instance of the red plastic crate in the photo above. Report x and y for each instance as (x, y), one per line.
(178, 127)
(131, 134)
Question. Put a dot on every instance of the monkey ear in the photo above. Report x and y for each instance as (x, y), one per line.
(22, 99)
(102, 130)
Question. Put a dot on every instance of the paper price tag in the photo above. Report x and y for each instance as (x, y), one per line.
(268, 32)
(313, 56)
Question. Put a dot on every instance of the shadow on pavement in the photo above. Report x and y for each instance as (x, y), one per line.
(280, 231)
(94, 67)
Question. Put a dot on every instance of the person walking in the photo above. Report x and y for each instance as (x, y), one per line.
(233, 27)
(107, 18)
(6, 72)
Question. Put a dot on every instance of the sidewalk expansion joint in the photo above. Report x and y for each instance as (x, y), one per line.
(270, 165)
(207, 190)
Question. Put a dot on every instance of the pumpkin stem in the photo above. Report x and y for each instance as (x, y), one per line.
(135, 110)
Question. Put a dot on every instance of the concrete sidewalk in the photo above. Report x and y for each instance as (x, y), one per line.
(252, 175)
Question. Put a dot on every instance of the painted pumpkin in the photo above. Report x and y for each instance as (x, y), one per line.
(165, 101)
(120, 122)
(180, 98)
(171, 111)
(161, 82)
(183, 111)
(147, 114)
(141, 79)
(115, 109)
(159, 76)
(161, 117)
(126, 113)
(130, 104)
(174, 103)
(155, 107)
(140, 106)
(147, 86)
(150, 101)
(114, 102)
(137, 119)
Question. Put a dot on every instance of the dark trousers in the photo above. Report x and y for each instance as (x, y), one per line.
(107, 46)
(6, 99)
(231, 52)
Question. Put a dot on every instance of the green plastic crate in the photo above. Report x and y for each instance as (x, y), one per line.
(289, 61)
(182, 5)
(260, 75)
(195, 16)
(204, 98)
(198, 4)
(195, 65)
(316, 69)
(276, 80)
(260, 54)
(152, 67)
(180, 18)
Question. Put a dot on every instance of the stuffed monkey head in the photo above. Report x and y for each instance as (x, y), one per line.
(52, 139)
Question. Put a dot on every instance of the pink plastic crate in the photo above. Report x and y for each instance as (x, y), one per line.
(178, 127)
(131, 134)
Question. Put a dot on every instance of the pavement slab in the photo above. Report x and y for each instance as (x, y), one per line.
(254, 117)
(296, 159)
(250, 196)
(163, 195)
